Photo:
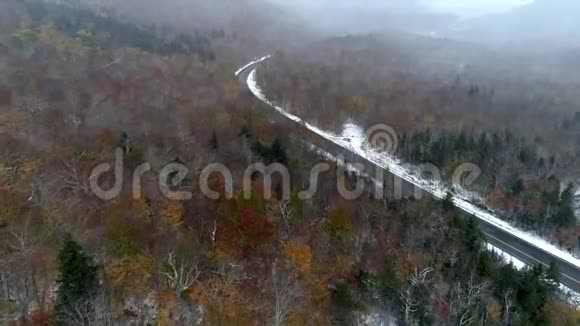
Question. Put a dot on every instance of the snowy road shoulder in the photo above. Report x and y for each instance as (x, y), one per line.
(518, 264)
(566, 294)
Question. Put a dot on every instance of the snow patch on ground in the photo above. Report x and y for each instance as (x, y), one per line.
(518, 264)
(566, 294)
(375, 318)
(570, 296)
(348, 167)
(353, 134)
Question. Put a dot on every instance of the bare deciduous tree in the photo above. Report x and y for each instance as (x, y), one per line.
(508, 304)
(286, 213)
(180, 276)
(93, 311)
(409, 305)
(453, 257)
(468, 296)
(72, 178)
(286, 290)
(421, 278)
(25, 283)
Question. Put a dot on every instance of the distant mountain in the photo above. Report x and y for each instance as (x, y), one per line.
(550, 23)
(255, 23)
(341, 17)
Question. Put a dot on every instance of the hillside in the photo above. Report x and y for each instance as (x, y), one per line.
(542, 25)
(142, 183)
(449, 102)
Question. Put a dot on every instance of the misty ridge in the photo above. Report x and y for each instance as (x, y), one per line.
(536, 21)
(524, 36)
(541, 34)
(552, 23)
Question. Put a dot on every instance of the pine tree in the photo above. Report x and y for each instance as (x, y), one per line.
(245, 132)
(214, 143)
(277, 152)
(473, 236)
(125, 143)
(484, 265)
(553, 273)
(77, 276)
(564, 215)
(461, 143)
(447, 202)
(518, 187)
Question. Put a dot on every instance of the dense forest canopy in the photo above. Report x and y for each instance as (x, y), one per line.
(522, 131)
(82, 82)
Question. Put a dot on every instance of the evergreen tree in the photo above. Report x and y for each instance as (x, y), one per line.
(473, 236)
(541, 163)
(77, 276)
(245, 132)
(271, 154)
(483, 147)
(214, 143)
(447, 202)
(564, 215)
(484, 265)
(389, 283)
(125, 142)
(553, 273)
(533, 295)
(461, 143)
(497, 142)
(518, 187)
(507, 278)
(277, 152)
(524, 156)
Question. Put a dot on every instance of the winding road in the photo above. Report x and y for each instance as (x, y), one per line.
(521, 245)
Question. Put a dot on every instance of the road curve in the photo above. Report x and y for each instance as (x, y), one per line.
(504, 237)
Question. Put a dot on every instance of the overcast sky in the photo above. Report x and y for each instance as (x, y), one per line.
(470, 8)
(463, 8)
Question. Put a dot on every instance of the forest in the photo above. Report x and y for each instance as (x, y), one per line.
(526, 146)
(80, 80)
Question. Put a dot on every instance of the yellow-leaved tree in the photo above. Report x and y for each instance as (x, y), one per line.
(131, 275)
(224, 303)
(173, 212)
(300, 255)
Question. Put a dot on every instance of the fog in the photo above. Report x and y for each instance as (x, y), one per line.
(527, 25)
(347, 17)
(461, 8)
(473, 8)
(539, 24)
